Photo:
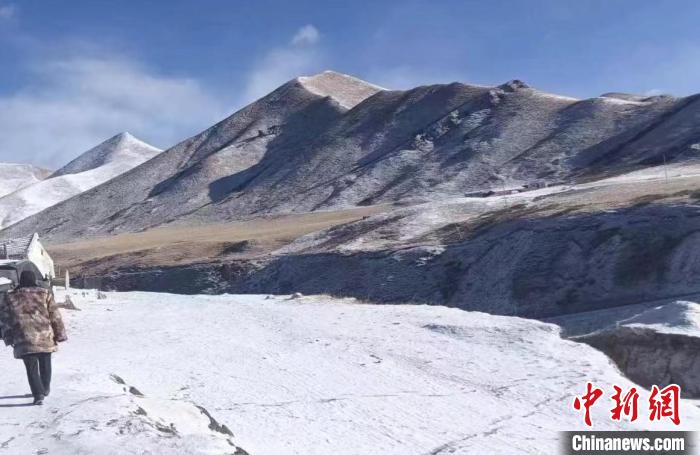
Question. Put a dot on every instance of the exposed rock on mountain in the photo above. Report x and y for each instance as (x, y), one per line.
(98, 165)
(16, 176)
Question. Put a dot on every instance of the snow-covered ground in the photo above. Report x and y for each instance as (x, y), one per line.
(306, 376)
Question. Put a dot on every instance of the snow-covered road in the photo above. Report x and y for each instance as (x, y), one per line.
(307, 376)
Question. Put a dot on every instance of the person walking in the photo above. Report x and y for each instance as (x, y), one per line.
(33, 326)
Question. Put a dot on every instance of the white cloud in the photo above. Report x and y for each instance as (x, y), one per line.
(7, 11)
(299, 57)
(306, 36)
(72, 104)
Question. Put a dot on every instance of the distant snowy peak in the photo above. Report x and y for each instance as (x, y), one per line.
(123, 148)
(93, 168)
(348, 91)
(16, 176)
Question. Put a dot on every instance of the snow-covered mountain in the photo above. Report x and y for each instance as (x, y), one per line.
(304, 107)
(94, 167)
(121, 152)
(313, 375)
(330, 141)
(16, 176)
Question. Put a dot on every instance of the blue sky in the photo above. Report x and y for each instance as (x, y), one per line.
(74, 73)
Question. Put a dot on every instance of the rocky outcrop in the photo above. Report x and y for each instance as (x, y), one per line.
(658, 347)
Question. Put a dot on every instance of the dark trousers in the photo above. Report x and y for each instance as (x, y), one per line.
(38, 373)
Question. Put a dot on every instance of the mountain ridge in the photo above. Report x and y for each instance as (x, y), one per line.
(97, 165)
(332, 141)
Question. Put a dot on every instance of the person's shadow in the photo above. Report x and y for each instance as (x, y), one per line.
(16, 405)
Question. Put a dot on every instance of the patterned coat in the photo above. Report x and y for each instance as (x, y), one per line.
(31, 321)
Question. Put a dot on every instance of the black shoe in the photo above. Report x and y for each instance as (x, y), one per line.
(38, 401)
(47, 391)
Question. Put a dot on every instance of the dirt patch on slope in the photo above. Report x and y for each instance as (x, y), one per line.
(181, 245)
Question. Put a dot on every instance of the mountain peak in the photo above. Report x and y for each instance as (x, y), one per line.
(347, 90)
(125, 139)
(123, 146)
(512, 86)
(126, 136)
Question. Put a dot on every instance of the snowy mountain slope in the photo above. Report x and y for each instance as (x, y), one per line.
(671, 136)
(287, 116)
(555, 250)
(437, 223)
(301, 149)
(96, 166)
(308, 376)
(16, 176)
(118, 150)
